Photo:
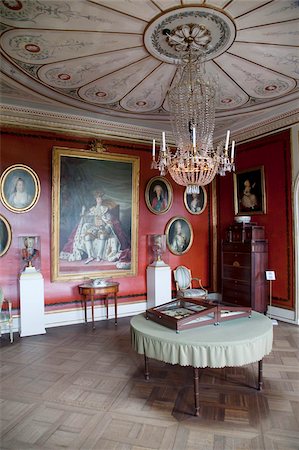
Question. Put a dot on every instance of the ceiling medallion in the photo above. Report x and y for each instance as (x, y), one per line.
(212, 30)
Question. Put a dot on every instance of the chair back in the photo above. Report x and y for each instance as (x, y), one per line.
(1, 298)
(182, 277)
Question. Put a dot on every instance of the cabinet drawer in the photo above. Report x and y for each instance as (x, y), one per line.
(236, 273)
(243, 247)
(237, 259)
(233, 286)
(236, 292)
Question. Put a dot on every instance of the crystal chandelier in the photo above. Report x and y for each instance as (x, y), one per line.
(192, 99)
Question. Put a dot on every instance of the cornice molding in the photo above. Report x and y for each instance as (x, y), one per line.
(71, 124)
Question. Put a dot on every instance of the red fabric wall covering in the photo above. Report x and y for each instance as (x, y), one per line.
(35, 150)
(272, 152)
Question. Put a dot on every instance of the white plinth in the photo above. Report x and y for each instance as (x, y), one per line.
(158, 285)
(32, 303)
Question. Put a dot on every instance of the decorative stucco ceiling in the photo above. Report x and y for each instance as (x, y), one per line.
(110, 58)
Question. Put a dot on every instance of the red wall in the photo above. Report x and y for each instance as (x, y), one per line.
(272, 152)
(34, 149)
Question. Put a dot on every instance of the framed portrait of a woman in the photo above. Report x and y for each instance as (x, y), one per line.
(179, 235)
(249, 192)
(158, 195)
(196, 203)
(5, 235)
(19, 188)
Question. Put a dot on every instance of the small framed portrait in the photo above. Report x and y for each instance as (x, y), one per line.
(20, 188)
(196, 203)
(249, 192)
(179, 235)
(158, 195)
(5, 235)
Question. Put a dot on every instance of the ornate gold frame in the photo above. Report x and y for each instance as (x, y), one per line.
(7, 226)
(205, 198)
(149, 194)
(8, 182)
(104, 168)
(169, 231)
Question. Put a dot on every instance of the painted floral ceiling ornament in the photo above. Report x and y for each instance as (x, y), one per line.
(116, 61)
(189, 36)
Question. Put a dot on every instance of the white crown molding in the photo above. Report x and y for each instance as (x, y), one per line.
(39, 119)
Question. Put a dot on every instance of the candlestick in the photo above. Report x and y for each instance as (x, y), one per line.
(227, 139)
(163, 141)
(233, 150)
(154, 148)
(194, 137)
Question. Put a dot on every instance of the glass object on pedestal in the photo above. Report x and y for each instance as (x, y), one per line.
(29, 251)
(156, 249)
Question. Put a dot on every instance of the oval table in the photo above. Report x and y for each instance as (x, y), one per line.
(231, 344)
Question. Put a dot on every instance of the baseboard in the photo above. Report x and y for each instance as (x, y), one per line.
(71, 316)
(284, 315)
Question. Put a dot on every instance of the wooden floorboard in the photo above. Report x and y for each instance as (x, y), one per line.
(76, 388)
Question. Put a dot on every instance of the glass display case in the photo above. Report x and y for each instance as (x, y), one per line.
(156, 248)
(29, 251)
(182, 314)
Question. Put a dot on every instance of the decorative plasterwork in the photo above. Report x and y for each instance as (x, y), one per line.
(86, 126)
(116, 62)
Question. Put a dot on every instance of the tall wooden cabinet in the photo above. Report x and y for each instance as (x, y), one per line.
(244, 262)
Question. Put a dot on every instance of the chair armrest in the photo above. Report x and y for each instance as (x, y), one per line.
(200, 284)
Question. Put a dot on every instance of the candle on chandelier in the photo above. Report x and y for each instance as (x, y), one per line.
(233, 150)
(227, 139)
(163, 142)
(154, 148)
(194, 137)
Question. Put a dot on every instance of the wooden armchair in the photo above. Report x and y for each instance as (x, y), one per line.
(6, 319)
(185, 284)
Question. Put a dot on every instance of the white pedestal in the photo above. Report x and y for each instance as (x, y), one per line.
(32, 303)
(158, 285)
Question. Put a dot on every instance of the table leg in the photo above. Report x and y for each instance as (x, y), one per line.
(196, 390)
(260, 377)
(115, 309)
(107, 307)
(85, 308)
(146, 368)
(92, 311)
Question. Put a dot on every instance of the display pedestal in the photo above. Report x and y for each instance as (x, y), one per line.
(158, 284)
(32, 303)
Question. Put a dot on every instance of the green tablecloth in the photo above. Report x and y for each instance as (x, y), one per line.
(232, 343)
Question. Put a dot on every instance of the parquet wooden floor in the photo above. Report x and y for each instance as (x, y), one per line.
(76, 388)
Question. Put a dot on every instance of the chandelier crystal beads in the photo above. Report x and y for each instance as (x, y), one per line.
(192, 101)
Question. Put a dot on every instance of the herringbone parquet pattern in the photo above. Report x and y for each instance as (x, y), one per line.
(81, 389)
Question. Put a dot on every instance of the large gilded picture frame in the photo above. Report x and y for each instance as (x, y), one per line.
(95, 213)
(19, 188)
(249, 192)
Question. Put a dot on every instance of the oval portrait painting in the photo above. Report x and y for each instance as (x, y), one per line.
(5, 235)
(179, 235)
(196, 202)
(20, 188)
(158, 195)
